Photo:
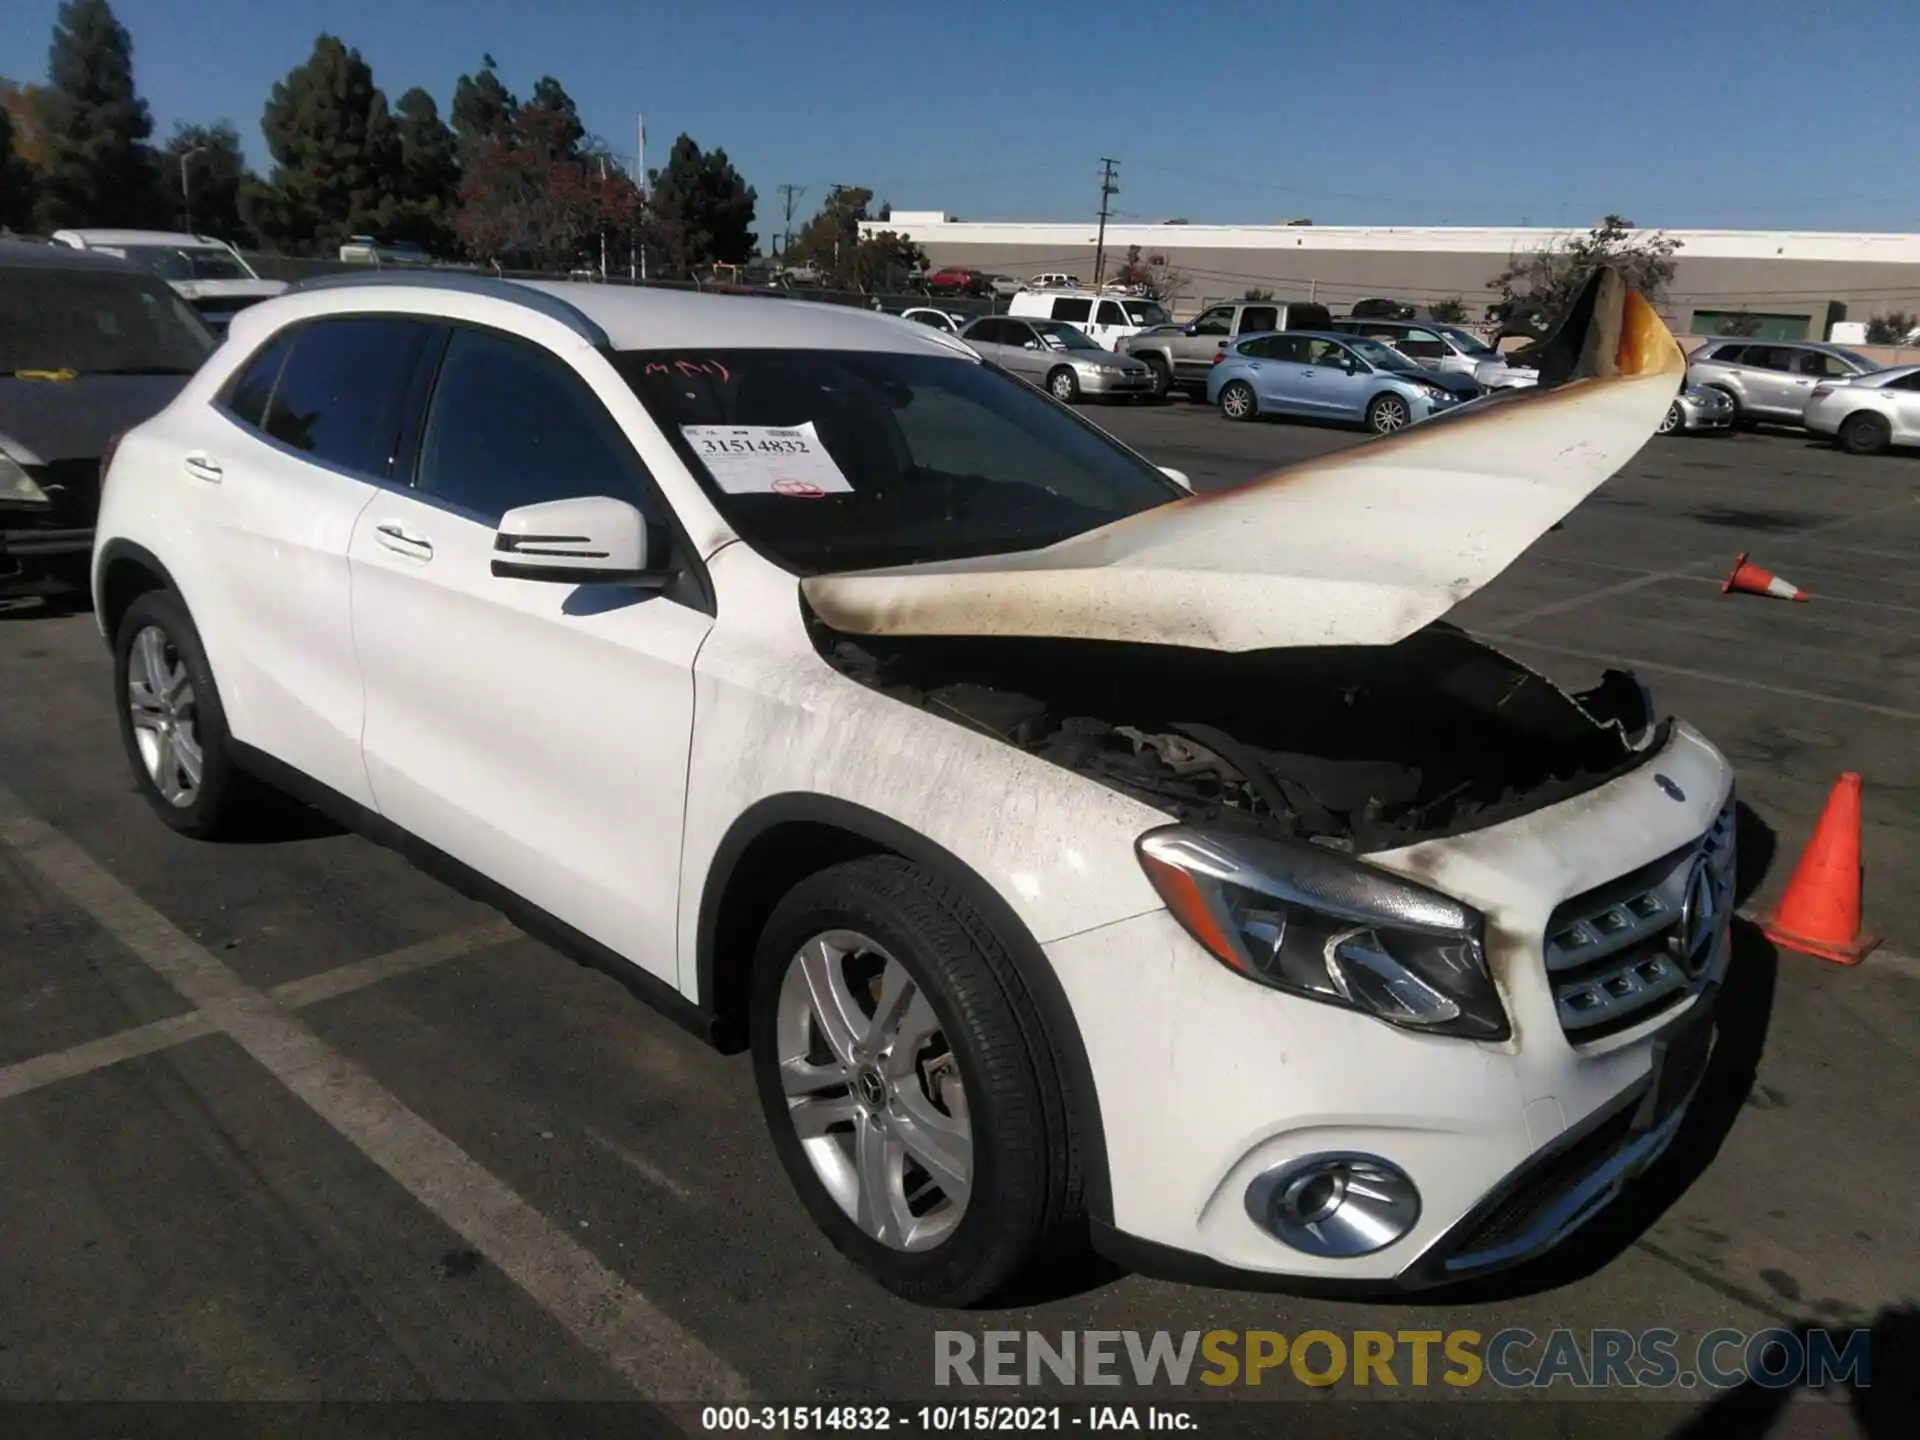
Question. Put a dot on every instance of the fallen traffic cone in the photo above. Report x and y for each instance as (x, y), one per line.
(1820, 913)
(1755, 581)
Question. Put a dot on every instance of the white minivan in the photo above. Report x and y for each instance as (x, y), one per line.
(1104, 315)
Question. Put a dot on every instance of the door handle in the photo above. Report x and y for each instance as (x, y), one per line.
(396, 539)
(202, 467)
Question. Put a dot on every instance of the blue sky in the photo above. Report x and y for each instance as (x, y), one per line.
(1769, 113)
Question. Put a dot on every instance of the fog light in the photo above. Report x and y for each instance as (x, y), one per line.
(1339, 1206)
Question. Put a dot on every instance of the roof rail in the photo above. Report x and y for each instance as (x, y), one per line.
(540, 301)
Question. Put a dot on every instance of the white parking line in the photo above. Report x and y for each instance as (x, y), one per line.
(83, 1059)
(647, 1347)
(1696, 568)
(1634, 662)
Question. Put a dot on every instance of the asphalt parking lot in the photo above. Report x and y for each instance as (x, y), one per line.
(288, 1121)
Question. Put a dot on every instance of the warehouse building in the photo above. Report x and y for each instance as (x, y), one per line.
(1781, 284)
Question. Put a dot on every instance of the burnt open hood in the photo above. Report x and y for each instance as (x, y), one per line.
(1364, 547)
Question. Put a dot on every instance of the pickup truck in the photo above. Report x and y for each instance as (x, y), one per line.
(1181, 356)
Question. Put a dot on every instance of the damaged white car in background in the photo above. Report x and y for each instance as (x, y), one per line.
(1069, 850)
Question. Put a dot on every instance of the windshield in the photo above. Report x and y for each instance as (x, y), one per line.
(1064, 335)
(886, 459)
(1470, 344)
(1382, 357)
(184, 262)
(96, 322)
(1146, 312)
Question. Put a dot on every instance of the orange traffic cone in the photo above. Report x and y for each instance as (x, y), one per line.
(1820, 913)
(1753, 580)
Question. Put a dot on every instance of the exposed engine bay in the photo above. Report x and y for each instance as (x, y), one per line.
(1362, 747)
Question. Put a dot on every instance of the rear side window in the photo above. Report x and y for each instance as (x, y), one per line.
(1070, 309)
(1308, 317)
(510, 425)
(250, 390)
(339, 393)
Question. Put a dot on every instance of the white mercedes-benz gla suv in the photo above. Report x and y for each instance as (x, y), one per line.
(1075, 854)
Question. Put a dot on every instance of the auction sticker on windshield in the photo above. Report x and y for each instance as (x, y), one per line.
(767, 460)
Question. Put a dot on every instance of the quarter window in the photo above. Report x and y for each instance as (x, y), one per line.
(338, 397)
(250, 390)
(1256, 318)
(1074, 310)
(510, 426)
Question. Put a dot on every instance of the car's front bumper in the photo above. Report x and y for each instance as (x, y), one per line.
(43, 559)
(1208, 1083)
(1104, 385)
(1712, 413)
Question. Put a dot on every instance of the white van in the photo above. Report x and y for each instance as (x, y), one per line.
(1106, 316)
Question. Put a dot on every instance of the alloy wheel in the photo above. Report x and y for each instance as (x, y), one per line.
(874, 1091)
(1389, 415)
(1062, 386)
(1237, 401)
(165, 717)
(1670, 422)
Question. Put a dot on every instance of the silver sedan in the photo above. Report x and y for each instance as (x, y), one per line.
(1057, 357)
(1695, 408)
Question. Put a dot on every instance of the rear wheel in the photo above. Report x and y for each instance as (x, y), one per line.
(907, 1083)
(1865, 435)
(1237, 401)
(1388, 413)
(1062, 385)
(1162, 377)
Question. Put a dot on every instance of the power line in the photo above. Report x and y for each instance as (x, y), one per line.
(1107, 190)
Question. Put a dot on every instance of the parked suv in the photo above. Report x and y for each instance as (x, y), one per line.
(1771, 380)
(1446, 348)
(1182, 356)
(207, 273)
(1068, 851)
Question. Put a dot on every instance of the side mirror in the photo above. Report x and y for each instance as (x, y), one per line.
(1179, 477)
(1350, 365)
(594, 540)
(1189, 329)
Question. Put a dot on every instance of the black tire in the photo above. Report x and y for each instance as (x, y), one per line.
(1381, 413)
(1162, 377)
(1674, 421)
(1238, 401)
(1025, 1196)
(1865, 434)
(1063, 385)
(225, 799)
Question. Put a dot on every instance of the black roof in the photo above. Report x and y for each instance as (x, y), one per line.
(31, 254)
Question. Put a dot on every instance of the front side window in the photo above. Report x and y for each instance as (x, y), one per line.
(339, 394)
(510, 425)
(1910, 381)
(1111, 313)
(1468, 343)
(1217, 321)
(941, 457)
(1422, 345)
(96, 322)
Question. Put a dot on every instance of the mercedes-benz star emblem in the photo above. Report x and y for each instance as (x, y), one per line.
(1692, 940)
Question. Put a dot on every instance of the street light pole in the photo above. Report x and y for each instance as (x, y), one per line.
(186, 192)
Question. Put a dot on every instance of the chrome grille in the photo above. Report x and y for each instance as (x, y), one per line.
(1615, 955)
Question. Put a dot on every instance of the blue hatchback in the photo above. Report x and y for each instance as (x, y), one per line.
(1333, 377)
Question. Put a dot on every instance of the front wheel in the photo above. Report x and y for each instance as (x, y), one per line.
(1673, 420)
(1062, 385)
(907, 1084)
(1865, 435)
(1387, 414)
(172, 723)
(1238, 402)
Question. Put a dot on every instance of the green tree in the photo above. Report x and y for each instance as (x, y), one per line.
(216, 176)
(98, 168)
(430, 175)
(18, 183)
(564, 133)
(830, 241)
(1451, 311)
(337, 161)
(1551, 277)
(483, 109)
(885, 262)
(701, 208)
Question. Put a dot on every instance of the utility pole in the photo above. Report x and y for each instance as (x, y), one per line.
(646, 202)
(789, 193)
(1107, 190)
(186, 190)
(838, 226)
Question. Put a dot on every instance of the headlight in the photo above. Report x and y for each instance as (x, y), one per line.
(17, 487)
(1437, 392)
(1321, 925)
